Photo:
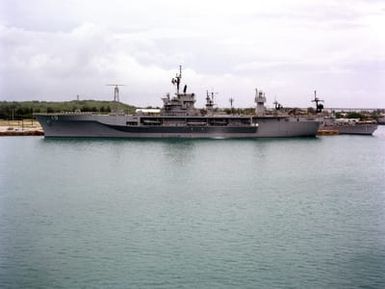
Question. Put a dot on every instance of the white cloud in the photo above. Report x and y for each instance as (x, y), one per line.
(288, 48)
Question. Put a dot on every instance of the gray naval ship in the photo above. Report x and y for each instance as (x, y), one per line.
(343, 125)
(179, 118)
(349, 126)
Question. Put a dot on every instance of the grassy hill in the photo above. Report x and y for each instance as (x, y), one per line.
(25, 109)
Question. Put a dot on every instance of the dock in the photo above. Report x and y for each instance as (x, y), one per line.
(327, 132)
(20, 128)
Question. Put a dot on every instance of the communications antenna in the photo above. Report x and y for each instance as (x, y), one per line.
(116, 90)
(231, 103)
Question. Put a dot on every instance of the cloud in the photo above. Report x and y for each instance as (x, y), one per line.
(56, 51)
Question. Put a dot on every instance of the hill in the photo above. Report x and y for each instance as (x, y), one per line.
(25, 109)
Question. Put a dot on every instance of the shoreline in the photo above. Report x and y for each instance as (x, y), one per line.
(28, 127)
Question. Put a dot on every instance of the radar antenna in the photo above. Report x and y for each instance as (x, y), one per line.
(318, 105)
(210, 99)
(277, 105)
(116, 90)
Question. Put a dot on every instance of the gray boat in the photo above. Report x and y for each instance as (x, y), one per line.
(349, 126)
(179, 118)
(331, 125)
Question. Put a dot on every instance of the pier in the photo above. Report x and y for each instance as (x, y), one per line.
(20, 128)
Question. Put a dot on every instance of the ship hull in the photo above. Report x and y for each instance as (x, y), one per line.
(110, 126)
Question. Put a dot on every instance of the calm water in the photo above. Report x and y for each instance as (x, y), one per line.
(293, 213)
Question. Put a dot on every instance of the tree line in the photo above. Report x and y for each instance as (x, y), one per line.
(26, 109)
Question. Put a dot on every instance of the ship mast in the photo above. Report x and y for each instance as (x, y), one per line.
(176, 80)
(231, 103)
(319, 106)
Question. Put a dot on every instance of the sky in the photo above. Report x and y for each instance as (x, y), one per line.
(57, 49)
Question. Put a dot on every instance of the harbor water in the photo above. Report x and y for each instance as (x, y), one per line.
(271, 213)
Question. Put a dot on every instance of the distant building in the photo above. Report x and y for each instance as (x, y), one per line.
(347, 109)
(148, 110)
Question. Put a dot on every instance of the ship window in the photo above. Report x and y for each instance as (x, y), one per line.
(218, 122)
(151, 121)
